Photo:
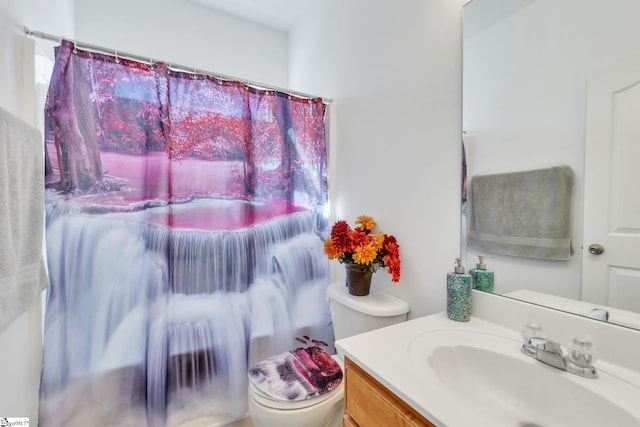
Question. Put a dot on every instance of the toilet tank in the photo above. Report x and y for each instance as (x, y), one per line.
(352, 315)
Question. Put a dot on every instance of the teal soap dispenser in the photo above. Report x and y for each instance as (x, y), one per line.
(482, 278)
(459, 293)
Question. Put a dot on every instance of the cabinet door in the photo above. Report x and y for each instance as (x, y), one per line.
(370, 404)
(347, 421)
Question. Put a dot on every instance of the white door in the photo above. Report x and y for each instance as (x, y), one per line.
(612, 187)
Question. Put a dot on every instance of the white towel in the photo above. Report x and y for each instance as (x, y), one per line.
(22, 267)
(525, 214)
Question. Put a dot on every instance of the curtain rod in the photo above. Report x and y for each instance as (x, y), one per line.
(117, 53)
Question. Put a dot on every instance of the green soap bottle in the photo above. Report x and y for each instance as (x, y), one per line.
(459, 293)
(481, 277)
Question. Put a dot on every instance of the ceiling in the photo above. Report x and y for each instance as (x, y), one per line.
(278, 14)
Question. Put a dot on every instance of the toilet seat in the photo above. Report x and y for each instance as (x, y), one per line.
(269, 402)
(264, 400)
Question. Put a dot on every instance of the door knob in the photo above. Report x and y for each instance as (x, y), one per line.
(596, 249)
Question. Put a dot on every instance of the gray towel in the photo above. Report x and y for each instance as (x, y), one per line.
(525, 214)
(22, 269)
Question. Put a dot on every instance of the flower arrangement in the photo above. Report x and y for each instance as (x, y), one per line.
(362, 246)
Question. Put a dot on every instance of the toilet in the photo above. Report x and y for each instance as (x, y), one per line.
(351, 315)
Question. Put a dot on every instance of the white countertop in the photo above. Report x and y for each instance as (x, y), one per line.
(390, 363)
(385, 353)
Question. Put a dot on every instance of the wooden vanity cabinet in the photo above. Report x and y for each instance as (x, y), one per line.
(368, 403)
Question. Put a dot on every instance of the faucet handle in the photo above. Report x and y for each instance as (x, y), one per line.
(531, 330)
(582, 352)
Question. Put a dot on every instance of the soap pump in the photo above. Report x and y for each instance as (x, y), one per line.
(482, 278)
(459, 293)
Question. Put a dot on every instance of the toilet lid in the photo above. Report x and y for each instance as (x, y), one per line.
(268, 401)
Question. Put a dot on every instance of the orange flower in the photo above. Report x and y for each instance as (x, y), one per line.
(393, 266)
(358, 238)
(330, 249)
(366, 222)
(392, 250)
(364, 254)
(378, 241)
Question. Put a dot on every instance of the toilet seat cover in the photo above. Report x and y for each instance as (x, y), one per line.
(297, 375)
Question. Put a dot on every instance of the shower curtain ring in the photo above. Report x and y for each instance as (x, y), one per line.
(117, 59)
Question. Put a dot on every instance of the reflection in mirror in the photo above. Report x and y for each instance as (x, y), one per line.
(550, 83)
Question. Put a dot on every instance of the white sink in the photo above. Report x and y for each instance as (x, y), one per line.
(498, 385)
(460, 374)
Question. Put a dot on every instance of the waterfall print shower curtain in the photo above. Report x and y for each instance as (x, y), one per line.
(185, 217)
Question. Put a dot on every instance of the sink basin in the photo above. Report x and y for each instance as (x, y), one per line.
(487, 375)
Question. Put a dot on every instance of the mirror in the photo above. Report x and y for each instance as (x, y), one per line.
(528, 66)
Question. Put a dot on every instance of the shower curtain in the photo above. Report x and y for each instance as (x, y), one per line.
(184, 228)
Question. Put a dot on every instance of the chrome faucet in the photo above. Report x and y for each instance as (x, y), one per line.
(578, 360)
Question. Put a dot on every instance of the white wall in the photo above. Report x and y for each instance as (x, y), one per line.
(45, 15)
(394, 72)
(188, 34)
(524, 108)
(20, 358)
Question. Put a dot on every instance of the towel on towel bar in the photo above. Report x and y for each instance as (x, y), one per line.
(525, 214)
(22, 269)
